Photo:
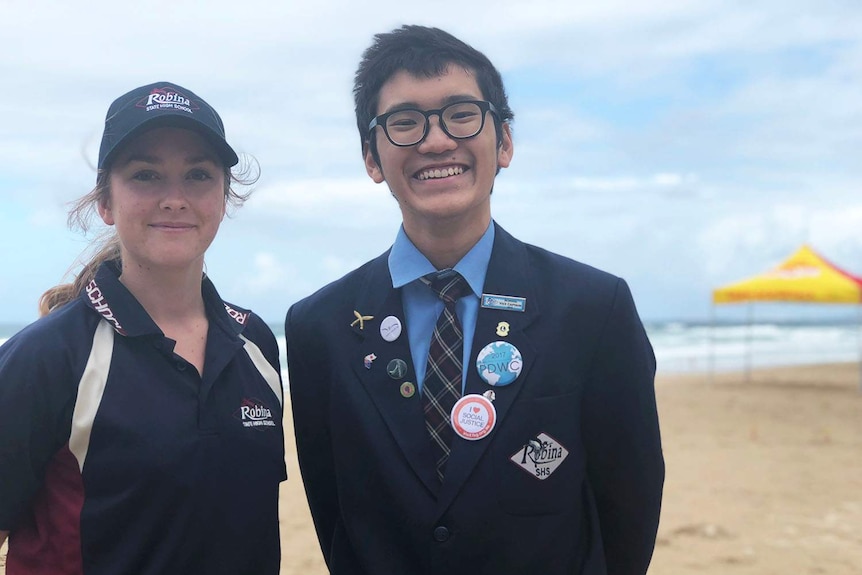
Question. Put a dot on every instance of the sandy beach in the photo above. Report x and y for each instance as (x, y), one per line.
(763, 477)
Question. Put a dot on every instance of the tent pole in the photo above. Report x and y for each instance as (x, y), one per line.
(711, 343)
(859, 341)
(748, 343)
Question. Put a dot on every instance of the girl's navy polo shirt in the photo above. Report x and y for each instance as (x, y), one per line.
(116, 456)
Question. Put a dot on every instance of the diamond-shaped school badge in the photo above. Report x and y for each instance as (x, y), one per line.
(540, 457)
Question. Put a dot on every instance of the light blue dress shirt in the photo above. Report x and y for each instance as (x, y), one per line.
(421, 304)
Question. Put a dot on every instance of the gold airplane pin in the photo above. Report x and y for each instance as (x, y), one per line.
(360, 319)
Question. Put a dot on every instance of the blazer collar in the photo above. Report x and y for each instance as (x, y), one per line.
(397, 399)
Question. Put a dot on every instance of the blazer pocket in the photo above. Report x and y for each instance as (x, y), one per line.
(540, 461)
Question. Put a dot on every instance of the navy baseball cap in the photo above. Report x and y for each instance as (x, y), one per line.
(158, 105)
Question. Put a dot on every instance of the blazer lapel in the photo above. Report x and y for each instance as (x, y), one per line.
(402, 411)
(508, 275)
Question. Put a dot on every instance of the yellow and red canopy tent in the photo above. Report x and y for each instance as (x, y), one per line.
(804, 277)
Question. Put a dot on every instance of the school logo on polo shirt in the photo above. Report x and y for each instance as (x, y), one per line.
(253, 413)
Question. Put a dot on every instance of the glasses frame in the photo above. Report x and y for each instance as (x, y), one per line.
(483, 105)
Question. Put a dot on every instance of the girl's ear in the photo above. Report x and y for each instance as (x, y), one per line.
(104, 209)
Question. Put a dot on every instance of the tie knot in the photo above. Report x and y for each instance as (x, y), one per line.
(448, 284)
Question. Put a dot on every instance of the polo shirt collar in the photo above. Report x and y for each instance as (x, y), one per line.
(116, 304)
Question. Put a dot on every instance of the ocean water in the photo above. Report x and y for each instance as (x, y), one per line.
(703, 347)
(690, 347)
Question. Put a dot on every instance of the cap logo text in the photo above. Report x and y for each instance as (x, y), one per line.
(161, 98)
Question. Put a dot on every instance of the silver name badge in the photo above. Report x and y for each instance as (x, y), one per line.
(505, 302)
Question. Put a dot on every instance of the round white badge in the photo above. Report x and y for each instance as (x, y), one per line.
(390, 328)
(473, 417)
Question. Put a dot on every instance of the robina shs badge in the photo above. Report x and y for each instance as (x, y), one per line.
(499, 363)
(473, 417)
(540, 456)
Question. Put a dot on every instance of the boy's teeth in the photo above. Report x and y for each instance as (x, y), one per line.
(441, 173)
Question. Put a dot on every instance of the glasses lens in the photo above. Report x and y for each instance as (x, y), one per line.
(463, 119)
(406, 127)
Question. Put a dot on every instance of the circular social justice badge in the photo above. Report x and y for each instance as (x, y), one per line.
(499, 363)
(473, 417)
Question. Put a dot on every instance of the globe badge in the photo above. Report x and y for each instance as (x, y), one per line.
(499, 363)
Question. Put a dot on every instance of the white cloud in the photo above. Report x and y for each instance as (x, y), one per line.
(314, 194)
(743, 244)
(47, 218)
(335, 266)
(344, 203)
(267, 273)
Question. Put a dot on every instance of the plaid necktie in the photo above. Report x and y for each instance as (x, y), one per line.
(442, 383)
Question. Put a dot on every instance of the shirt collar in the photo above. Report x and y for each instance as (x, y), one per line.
(408, 264)
(113, 301)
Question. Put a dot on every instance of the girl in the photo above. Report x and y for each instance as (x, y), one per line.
(140, 419)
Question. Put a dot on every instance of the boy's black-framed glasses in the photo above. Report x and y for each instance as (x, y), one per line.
(409, 126)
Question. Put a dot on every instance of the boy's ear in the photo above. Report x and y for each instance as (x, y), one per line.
(371, 166)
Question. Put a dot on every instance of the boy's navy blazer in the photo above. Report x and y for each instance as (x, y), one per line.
(586, 382)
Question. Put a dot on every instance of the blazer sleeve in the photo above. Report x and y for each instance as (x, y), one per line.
(309, 397)
(621, 433)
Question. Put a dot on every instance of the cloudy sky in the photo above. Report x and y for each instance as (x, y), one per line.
(679, 144)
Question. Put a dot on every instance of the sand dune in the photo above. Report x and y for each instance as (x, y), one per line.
(764, 477)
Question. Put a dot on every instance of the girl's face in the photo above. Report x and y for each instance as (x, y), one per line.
(167, 199)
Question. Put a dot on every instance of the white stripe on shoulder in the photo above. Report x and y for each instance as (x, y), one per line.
(264, 367)
(90, 391)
